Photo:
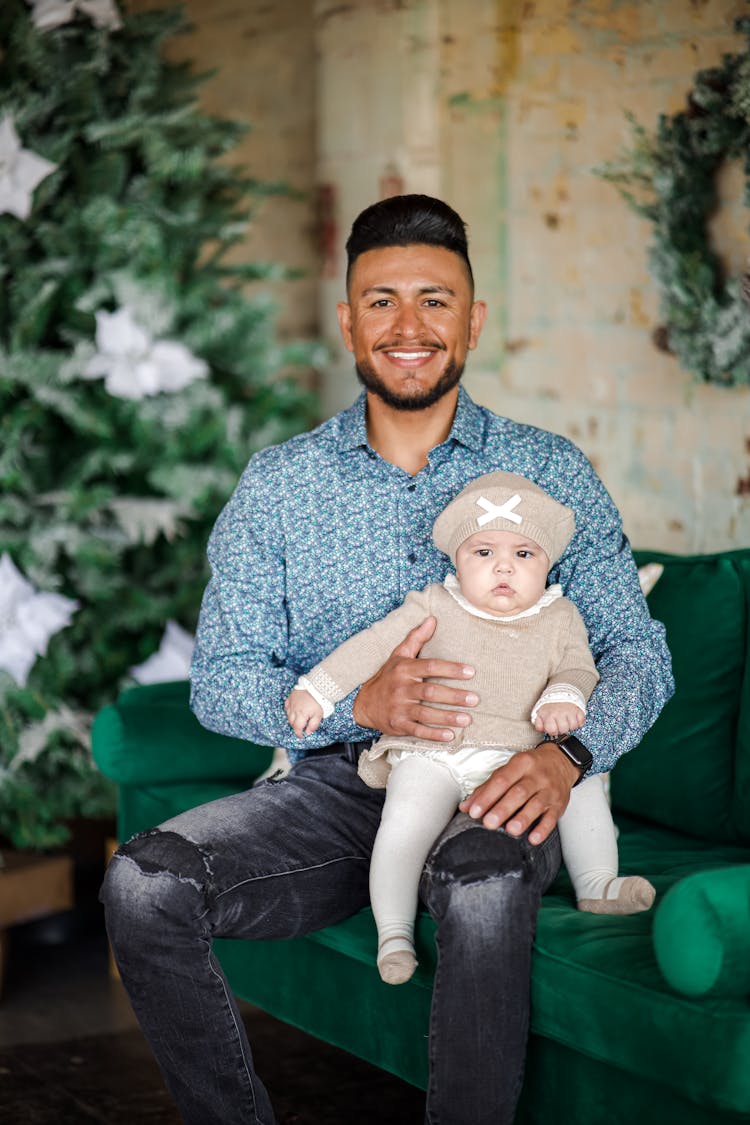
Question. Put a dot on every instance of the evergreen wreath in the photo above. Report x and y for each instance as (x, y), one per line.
(670, 179)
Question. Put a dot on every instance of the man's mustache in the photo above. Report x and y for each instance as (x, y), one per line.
(413, 345)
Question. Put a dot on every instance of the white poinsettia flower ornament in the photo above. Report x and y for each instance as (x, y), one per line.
(171, 661)
(133, 365)
(20, 171)
(28, 619)
(46, 15)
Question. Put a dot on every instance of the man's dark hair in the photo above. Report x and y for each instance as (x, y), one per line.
(405, 220)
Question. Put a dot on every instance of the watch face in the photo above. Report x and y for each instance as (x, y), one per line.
(574, 749)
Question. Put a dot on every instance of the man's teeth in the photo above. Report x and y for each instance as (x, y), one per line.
(411, 355)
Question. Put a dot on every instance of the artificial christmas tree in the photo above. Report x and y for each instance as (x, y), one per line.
(136, 375)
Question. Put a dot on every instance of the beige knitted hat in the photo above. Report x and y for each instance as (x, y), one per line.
(504, 502)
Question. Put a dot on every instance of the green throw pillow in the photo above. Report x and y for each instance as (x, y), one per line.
(702, 933)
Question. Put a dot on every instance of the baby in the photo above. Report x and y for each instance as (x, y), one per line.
(534, 674)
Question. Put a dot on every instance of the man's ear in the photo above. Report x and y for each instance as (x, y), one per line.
(477, 317)
(344, 313)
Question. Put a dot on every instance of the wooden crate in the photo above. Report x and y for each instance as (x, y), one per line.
(31, 886)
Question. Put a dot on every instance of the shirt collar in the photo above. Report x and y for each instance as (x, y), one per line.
(467, 428)
(468, 423)
(352, 428)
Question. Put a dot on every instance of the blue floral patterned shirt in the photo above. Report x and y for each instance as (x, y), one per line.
(322, 537)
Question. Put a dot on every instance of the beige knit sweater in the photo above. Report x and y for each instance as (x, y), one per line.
(515, 660)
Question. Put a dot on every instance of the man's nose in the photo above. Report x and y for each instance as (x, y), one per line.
(408, 321)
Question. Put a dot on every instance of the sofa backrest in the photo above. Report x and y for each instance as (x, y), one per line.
(692, 770)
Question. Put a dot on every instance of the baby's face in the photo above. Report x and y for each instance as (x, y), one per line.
(501, 572)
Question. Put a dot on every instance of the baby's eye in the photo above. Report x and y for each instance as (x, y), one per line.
(484, 552)
(524, 554)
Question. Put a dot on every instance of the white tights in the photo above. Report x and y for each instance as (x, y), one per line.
(421, 797)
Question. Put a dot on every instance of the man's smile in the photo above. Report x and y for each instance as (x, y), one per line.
(405, 356)
(408, 355)
(402, 357)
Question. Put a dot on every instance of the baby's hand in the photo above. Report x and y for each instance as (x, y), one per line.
(303, 713)
(558, 718)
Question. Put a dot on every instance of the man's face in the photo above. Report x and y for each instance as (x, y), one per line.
(409, 322)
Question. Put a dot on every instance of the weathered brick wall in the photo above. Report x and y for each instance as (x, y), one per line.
(580, 309)
(504, 107)
(264, 57)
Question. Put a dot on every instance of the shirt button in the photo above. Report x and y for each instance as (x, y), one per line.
(411, 487)
(412, 557)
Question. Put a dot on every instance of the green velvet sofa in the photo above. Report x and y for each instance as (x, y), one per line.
(645, 1018)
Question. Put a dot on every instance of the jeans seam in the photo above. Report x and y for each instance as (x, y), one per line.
(238, 1036)
(291, 871)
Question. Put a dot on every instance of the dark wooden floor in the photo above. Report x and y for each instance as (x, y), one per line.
(71, 1051)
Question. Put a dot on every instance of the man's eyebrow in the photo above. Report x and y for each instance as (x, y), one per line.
(392, 292)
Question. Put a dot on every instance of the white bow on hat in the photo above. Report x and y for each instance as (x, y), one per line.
(499, 511)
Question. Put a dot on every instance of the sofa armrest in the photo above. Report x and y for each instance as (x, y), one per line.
(702, 933)
(150, 736)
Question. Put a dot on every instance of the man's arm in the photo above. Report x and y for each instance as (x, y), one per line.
(598, 573)
(239, 675)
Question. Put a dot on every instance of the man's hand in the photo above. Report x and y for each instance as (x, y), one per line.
(399, 698)
(533, 786)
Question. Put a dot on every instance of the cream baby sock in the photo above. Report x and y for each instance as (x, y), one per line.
(628, 894)
(396, 960)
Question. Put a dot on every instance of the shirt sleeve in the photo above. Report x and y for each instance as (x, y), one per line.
(598, 573)
(239, 675)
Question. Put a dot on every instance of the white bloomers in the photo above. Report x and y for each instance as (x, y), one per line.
(469, 766)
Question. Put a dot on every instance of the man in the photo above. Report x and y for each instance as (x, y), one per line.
(323, 535)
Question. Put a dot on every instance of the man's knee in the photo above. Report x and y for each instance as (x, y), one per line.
(486, 876)
(151, 875)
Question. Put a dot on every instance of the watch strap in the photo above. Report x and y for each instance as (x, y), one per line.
(575, 751)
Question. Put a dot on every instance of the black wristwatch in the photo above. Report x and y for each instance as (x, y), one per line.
(575, 752)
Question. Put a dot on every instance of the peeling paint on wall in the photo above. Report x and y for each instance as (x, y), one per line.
(327, 229)
(506, 115)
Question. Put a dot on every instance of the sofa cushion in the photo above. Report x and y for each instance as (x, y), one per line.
(683, 773)
(150, 736)
(596, 985)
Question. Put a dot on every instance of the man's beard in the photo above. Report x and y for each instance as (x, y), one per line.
(419, 400)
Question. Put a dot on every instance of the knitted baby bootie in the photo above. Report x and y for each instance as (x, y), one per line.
(396, 960)
(628, 895)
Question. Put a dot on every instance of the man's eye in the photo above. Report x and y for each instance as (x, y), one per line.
(433, 303)
(381, 303)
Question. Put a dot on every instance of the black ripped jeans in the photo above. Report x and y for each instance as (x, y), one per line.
(292, 856)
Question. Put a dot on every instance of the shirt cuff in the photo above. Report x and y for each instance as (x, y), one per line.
(303, 684)
(560, 693)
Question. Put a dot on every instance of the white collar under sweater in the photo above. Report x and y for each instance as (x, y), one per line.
(551, 594)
